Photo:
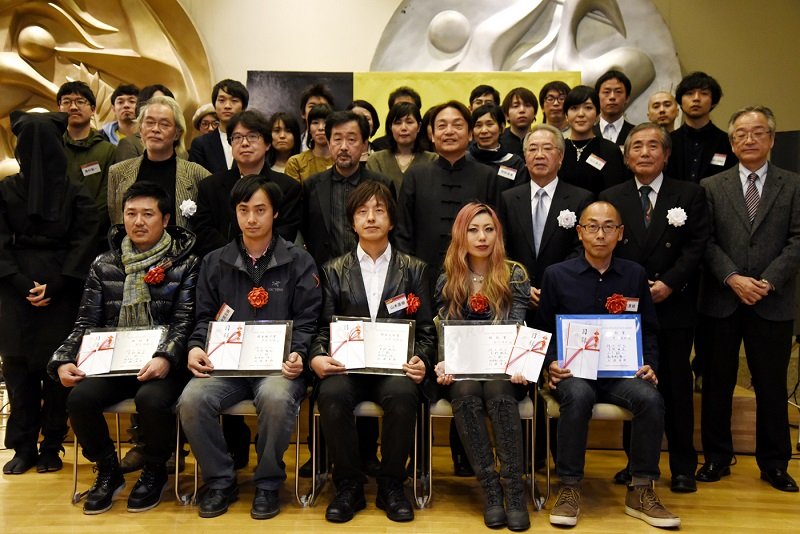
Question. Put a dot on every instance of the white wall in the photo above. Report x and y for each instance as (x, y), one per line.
(291, 35)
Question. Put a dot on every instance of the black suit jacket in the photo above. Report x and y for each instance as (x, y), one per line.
(207, 151)
(558, 243)
(623, 133)
(769, 248)
(672, 254)
(317, 225)
(343, 294)
(215, 223)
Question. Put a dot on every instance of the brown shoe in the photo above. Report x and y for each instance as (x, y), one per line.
(642, 503)
(567, 508)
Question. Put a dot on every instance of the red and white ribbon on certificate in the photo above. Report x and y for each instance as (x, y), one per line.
(538, 348)
(105, 345)
(352, 335)
(592, 344)
(233, 339)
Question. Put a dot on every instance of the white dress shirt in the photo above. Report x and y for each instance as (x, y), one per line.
(617, 128)
(655, 187)
(226, 147)
(374, 275)
(762, 176)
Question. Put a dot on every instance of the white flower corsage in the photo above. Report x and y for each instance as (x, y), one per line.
(188, 208)
(676, 217)
(567, 219)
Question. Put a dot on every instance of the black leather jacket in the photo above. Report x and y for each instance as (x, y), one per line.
(172, 303)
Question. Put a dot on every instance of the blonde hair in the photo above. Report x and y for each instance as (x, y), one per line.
(457, 289)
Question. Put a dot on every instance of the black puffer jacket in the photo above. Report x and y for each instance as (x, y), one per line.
(172, 303)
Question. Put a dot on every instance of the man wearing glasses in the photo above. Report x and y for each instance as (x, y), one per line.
(551, 100)
(747, 291)
(582, 286)
(89, 155)
(214, 223)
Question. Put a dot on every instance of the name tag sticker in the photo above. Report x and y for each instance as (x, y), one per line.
(396, 304)
(224, 313)
(718, 159)
(90, 168)
(507, 172)
(596, 162)
(631, 304)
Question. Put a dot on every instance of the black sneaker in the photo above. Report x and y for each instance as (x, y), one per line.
(216, 501)
(146, 494)
(108, 484)
(265, 504)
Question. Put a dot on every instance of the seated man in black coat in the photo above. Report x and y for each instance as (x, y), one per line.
(215, 223)
(148, 278)
(372, 280)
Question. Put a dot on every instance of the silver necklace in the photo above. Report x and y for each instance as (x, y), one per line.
(477, 278)
(579, 151)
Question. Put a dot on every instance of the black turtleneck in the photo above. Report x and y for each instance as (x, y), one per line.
(161, 172)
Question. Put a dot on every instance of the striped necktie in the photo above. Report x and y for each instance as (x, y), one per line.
(751, 196)
(647, 206)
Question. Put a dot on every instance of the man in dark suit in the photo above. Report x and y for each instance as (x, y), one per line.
(212, 150)
(560, 204)
(614, 90)
(215, 224)
(667, 230)
(326, 228)
(747, 290)
(370, 281)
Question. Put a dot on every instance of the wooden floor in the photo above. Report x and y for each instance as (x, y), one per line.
(40, 503)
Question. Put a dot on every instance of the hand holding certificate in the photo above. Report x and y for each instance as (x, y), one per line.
(118, 352)
(600, 346)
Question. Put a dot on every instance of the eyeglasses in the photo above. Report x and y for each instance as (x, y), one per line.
(150, 124)
(550, 99)
(209, 124)
(757, 135)
(593, 228)
(68, 102)
(251, 137)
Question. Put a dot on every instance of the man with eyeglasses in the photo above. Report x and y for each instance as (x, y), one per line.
(747, 291)
(89, 156)
(582, 285)
(215, 221)
(551, 100)
(667, 230)
(162, 127)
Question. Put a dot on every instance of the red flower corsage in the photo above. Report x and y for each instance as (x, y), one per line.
(412, 303)
(478, 303)
(616, 303)
(258, 297)
(154, 276)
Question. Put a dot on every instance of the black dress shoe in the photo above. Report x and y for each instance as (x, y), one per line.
(683, 484)
(216, 501)
(146, 494)
(392, 499)
(265, 504)
(348, 500)
(712, 472)
(780, 480)
(623, 476)
(20, 463)
(49, 460)
(133, 460)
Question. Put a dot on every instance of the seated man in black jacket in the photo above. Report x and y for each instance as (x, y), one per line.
(147, 278)
(257, 276)
(372, 280)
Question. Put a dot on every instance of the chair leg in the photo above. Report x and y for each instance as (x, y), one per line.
(297, 462)
(547, 458)
(182, 499)
(119, 439)
(422, 493)
(76, 495)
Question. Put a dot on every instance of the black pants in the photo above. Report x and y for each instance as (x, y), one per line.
(155, 404)
(37, 403)
(767, 346)
(338, 397)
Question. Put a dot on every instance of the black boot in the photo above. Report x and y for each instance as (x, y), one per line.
(470, 420)
(108, 484)
(146, 493)
(504, 414)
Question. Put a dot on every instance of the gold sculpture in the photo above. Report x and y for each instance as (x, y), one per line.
(102, 42)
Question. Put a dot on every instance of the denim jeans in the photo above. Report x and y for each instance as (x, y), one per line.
(277, 402)
(578, 396)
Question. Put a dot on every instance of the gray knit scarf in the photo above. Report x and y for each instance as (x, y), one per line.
(135, 310)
